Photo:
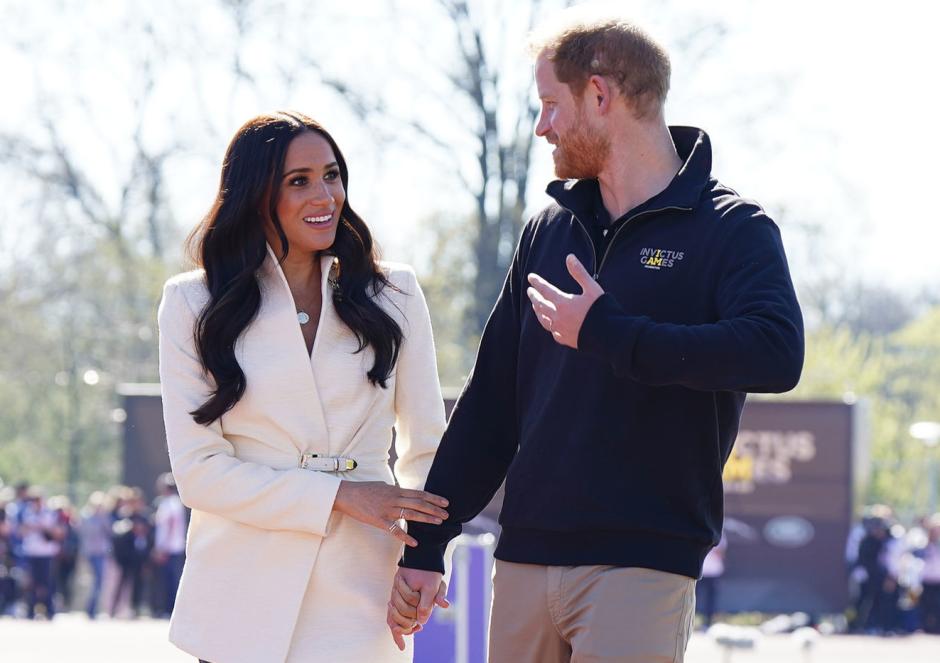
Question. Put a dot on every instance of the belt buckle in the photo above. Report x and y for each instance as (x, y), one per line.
(323, 463)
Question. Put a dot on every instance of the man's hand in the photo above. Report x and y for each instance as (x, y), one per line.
(560, 313)
(414, 593)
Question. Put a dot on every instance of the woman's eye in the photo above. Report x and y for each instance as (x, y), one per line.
(331, 175)
(300, 180)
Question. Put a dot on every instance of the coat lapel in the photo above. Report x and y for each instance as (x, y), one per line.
(284, 312)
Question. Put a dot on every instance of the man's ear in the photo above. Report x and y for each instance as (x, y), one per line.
(598, 93)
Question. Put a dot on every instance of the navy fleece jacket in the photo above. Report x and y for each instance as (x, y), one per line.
(613, 452)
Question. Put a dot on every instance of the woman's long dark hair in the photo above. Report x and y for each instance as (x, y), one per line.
(229, 243)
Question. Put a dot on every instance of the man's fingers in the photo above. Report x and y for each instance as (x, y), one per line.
(544, 288)
(543, 309)
(426, 604)
(539, 301)
(441, 598)
(579, 273)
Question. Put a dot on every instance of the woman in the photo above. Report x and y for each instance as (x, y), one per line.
(284, 362)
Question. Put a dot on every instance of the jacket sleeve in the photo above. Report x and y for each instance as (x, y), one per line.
(208, 475)
(481, 438)
(419, 406)
(755, 345)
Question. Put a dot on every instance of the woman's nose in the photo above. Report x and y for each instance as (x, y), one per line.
(320, 194)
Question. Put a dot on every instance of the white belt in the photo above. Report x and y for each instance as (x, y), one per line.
(321, 463)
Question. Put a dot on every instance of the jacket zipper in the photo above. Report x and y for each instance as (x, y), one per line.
(590, 243)
(598, 268)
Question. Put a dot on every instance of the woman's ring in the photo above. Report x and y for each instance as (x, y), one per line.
(401, 514)
(391, 528)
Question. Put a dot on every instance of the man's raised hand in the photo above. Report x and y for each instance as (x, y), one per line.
(561, 313)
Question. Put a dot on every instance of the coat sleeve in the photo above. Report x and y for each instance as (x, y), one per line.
(208, 475)
(756, 345)
(481, 438)
(419, 406)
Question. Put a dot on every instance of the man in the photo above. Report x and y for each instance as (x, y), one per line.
(638, 310)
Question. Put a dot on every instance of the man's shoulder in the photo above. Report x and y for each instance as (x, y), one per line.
(550, 214)
(725, 205)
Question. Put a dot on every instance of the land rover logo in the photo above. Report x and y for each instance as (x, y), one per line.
(788, 531)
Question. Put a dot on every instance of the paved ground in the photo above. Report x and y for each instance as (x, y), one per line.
(73, 639)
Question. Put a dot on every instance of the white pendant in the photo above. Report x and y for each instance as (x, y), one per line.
(302, 317)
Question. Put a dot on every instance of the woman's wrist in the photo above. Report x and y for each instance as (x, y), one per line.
(342, 495)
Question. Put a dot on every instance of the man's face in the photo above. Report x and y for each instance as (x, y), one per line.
(581, 150)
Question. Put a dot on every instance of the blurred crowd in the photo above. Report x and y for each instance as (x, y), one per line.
(894, 573)
(121, 555)
(125, 555)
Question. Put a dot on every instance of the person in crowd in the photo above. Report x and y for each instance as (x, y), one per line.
(870, 610)
(94, 534)
(15, 510)
(640, 308)
(707, 587)
(132, 543)
(285, 360)
(896, 560)
(169, 540)
(929, 602)
(7, 570)
(41, 535)
(66, 560)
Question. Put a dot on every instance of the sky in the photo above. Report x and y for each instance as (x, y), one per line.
(856, 144)
(820, 110)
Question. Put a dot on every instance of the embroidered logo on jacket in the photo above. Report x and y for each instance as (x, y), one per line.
(659, 258)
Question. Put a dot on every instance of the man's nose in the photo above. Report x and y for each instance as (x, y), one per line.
(542, 126)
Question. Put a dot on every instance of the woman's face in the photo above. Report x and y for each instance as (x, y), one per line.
(311, 196)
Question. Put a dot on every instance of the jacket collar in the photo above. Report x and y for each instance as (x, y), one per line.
(272, 269)
(684, 191)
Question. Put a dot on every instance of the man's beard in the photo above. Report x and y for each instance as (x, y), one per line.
(582, 153)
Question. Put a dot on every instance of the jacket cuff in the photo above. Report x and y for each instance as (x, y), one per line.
(427, 557)
(609, 334)
(320, 504)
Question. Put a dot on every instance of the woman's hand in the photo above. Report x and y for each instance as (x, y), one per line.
(414, 595)
(382, 505)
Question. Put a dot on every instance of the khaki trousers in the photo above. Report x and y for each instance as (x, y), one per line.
(589, 614)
